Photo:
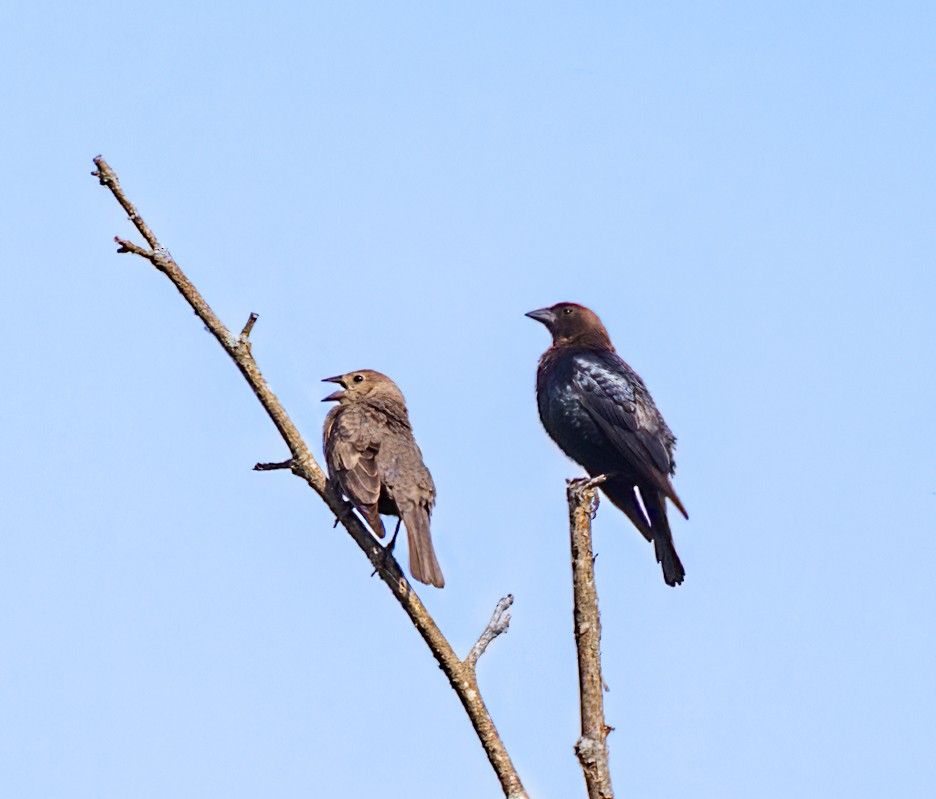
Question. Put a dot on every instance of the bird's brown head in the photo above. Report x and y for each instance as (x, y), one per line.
(572, 324)
(362, 385)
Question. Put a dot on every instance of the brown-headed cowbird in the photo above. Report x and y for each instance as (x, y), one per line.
(599, 412)
(372, 456)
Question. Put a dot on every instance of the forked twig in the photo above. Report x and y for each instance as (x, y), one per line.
(498, 625)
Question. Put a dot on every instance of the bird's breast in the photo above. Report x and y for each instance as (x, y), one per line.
(566, 420)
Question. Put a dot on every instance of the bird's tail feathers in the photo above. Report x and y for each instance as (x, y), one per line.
(423, 565)
(663, 547)
(621, 492)
(673, 571)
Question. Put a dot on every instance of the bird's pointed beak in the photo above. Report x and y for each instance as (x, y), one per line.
(543, 315)
(335, 396)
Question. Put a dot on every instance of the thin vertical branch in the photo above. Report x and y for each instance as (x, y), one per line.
(461, 674)
(592, 746)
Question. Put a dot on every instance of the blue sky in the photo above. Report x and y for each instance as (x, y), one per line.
(743, 192)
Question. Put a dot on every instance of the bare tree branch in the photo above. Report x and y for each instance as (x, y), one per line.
(460, 674)
(592, 747)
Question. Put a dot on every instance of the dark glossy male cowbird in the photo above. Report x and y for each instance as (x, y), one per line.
(372, 456)
(599, 412)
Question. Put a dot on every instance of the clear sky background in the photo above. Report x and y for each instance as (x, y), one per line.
(744, 192)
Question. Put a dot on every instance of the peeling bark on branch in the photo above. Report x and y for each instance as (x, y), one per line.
(592, 747)
(461, 674)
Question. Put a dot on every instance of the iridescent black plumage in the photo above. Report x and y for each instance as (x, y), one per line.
(599, 412)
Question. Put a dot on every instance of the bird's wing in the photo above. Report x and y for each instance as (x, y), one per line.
(353, 444)
(409, 483)
(402, 470)
(621, 412)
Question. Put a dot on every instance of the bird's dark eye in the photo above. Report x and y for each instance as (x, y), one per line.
(358, 378)
(567, 311)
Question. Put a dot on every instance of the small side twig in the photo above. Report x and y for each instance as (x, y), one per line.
(592, 747)
(129, 246)
(498, 625)
(245, 333)
(269, 467)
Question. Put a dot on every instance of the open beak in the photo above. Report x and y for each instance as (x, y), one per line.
(335, 395)
(544, 315)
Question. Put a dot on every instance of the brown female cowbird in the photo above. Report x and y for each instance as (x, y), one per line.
(599, 412)
(372, 456)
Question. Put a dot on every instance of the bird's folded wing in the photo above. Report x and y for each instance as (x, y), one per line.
(403, 472)
(613, 402)
(353, 456)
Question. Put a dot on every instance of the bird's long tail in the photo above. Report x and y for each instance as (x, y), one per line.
(422, 559)
(656, 529)
(673, 571)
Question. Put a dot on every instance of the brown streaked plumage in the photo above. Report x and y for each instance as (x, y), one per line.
(373, 457)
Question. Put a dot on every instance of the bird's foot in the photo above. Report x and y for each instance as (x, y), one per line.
(582, 489)
(584, 483)
(387, 555)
